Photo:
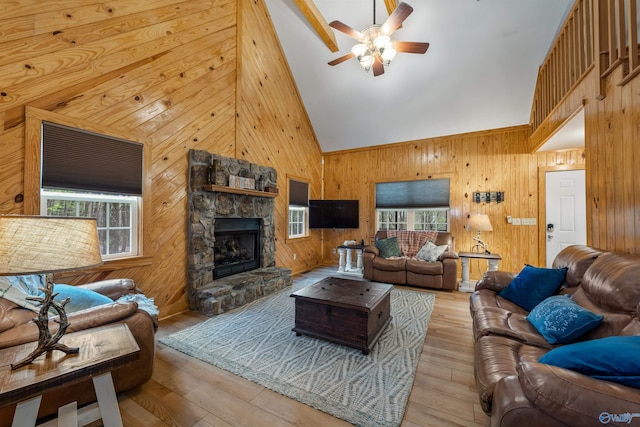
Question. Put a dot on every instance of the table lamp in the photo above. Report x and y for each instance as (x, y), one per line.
(479, 223)
(46, 245)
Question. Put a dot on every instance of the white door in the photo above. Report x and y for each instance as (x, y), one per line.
(566, 214)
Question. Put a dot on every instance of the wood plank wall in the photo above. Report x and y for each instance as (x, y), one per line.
(612, 132)
(169, 72)
(274, 129)
(495, 160)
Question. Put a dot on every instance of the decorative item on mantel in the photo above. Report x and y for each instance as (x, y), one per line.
(44, 245)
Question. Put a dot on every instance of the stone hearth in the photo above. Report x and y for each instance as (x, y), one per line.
(209, 296)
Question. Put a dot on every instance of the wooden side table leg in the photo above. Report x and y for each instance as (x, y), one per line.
(26, 412)
(107, 400)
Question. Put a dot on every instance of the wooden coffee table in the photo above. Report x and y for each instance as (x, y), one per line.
(345, 311)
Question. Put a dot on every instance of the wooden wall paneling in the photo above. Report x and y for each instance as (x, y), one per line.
(52, 31)
(498, 159)
(607, 157)
(617, 181)
(178, 58)
(12, 170)
(631, 163)
(62, 69)
(274, 129)
(115, 99)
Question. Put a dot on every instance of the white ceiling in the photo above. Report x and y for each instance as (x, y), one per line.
(479, 72)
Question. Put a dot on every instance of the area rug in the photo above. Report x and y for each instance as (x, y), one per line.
(256, 342)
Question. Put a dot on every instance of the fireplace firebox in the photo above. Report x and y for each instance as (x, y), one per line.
(237, 246)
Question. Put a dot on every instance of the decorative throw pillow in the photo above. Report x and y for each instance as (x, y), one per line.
(79, 298)
(610, 359)
(560, 320)
(388, 247)
(431, 252)
(532, 285)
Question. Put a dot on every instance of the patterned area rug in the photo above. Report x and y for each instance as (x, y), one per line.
(256, 342)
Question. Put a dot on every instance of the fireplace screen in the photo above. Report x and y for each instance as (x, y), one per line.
(237, 246)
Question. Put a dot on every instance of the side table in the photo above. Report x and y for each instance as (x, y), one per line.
(102, 350)
(346, 263)
(492, 265)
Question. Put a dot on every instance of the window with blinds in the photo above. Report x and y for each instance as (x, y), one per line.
(86, 174)
(298, 209)
(413, 205)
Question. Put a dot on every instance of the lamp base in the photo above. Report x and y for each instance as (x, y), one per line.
(46, 341)
(481, 244)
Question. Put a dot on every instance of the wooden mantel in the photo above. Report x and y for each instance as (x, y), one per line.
(243, 191)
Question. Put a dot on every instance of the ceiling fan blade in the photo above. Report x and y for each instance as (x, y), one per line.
(378, 68)
(411, 47)
(347, 30)
(342, 59)
(394, 21)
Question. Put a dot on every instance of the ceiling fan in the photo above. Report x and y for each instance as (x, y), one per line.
(376, 49)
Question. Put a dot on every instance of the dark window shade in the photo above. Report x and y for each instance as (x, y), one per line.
(427, 193)
(76, 159)
(298, 193)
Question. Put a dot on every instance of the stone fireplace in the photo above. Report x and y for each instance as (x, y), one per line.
(231, 235)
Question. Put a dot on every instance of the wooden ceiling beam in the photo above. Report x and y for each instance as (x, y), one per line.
(317, 21)
(391, 5)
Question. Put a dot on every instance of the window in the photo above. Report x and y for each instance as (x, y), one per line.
(297, 221)
(117, 217)
(90, 175)
(298, 208)
(436, 219)
(413, 205)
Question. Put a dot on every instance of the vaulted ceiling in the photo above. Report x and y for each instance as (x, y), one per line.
(479, 72)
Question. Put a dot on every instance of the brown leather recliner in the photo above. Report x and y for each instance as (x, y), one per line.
(517, 390)
(441, 274)
(17, 328)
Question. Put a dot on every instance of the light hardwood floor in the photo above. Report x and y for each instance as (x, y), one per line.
(186, 392)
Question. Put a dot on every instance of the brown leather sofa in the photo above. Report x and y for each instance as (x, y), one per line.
(515, 388)
(441, 274)
(17, 328)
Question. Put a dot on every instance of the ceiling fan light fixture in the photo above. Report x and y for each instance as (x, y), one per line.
(359, 50)
(366, 61)
(388, 55)
(381, 42)
(375, 48)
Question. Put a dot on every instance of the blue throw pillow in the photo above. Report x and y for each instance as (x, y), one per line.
(79, 298)
(611, 359)
(388, 247)
(560, 320)
(532, 285)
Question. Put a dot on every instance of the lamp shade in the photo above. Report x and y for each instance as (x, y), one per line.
(479, 222)
(42, 244)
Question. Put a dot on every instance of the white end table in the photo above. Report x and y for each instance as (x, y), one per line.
(346, 259)
(492, 265)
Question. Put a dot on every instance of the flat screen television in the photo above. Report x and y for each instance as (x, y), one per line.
(333, 214)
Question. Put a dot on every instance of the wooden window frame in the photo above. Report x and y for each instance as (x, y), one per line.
(32, 177)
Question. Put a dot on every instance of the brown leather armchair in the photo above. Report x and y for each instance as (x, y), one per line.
(17, 328)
